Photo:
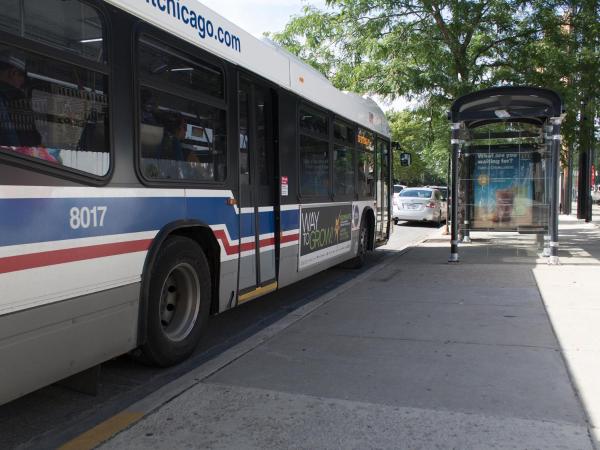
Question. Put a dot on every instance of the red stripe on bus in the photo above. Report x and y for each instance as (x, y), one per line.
(290, 238)
(53, 257)
(232, 249)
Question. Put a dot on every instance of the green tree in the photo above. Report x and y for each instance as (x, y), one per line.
(427, 49)
(434, 51)
(426, 139)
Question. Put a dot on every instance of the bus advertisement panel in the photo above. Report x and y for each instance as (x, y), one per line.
(325, 232)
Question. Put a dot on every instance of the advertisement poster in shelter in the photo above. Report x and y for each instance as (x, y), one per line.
(325, 232)
(502, 189)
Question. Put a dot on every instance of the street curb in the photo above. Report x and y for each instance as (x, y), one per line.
(128, 417)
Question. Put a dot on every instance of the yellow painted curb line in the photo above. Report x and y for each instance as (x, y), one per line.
(102, 432)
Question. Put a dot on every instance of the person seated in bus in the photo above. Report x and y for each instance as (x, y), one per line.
(150, 112)
(168, 157)
(174, 136)
(17, 120)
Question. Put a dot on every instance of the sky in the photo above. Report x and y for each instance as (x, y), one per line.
(260, 16)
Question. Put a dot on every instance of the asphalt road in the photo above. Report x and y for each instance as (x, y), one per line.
(54, 415)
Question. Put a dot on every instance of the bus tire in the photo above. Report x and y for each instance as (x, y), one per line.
(359, 260)
(178, 302)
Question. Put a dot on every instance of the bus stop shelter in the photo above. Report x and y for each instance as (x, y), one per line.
(505, 165)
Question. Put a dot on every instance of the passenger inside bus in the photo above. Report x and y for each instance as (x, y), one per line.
(180, 145)
(17, 122)
(47, 116)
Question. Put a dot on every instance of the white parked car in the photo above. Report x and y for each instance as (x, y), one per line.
(419, 204)
(443, 190)
(397, 189)
(396, 192)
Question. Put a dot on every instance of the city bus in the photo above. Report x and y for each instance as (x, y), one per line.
(159, 165)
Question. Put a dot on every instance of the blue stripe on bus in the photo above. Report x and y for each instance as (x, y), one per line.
(290, 220)
(25, 221)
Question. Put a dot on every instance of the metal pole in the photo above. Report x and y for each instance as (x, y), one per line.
(568, 208)
(590, 164)
(454, 232)
(448, 191)
(582, 184)
(554, 180)
(466, 234)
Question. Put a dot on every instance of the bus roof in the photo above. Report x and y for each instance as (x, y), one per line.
(192, 21)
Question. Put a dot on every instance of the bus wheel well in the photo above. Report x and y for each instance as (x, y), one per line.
(206, 239)
(369, 218)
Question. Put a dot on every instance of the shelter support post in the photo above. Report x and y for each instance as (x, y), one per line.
(466, 234)
(454, 199)
(554, 190)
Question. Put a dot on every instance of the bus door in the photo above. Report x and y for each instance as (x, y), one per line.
(257, 199)
(383, 189)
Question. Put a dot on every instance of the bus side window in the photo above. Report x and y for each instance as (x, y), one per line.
(343, 157)
(366, 164)
(313, 126)
(50, 110)
(181, 137)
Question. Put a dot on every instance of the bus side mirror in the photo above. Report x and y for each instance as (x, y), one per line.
(405, 159)
(395, 146)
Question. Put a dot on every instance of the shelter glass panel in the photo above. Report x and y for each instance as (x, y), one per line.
(503, 183)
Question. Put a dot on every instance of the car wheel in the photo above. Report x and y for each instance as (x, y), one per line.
(178, 302)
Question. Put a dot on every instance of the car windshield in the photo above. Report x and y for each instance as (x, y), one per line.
(418, 193)
(397, 189)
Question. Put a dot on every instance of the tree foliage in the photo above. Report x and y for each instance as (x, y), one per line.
(426, 139)
(434, 51)
(428, 49)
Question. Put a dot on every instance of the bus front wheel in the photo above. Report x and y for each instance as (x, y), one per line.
(178, 302)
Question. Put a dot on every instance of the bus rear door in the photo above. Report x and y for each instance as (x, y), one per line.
(257, 199)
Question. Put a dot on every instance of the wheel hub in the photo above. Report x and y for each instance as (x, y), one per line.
(179, 302)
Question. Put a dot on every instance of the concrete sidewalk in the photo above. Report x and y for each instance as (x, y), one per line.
(418, 354)
(571, 294)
